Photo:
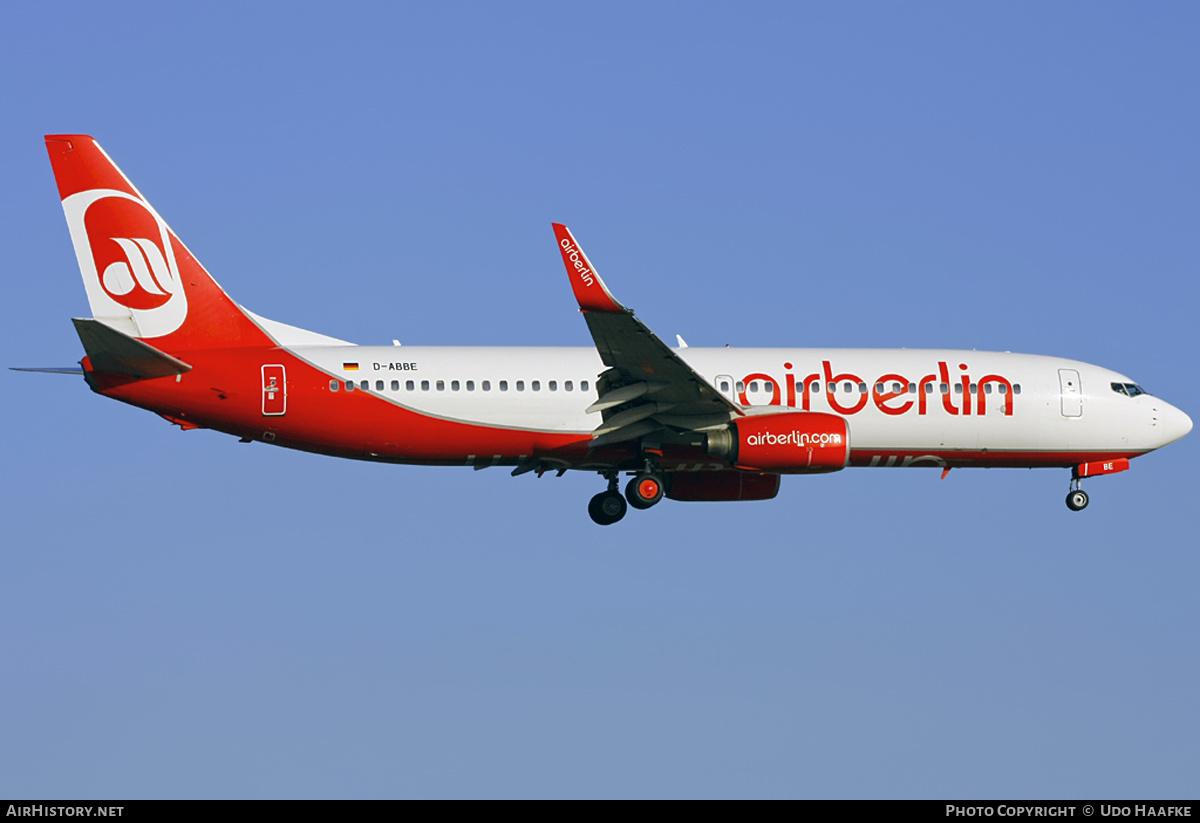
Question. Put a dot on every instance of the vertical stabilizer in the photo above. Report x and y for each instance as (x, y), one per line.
(140, 278)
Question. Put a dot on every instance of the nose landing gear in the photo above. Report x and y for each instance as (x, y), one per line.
(1077, 498)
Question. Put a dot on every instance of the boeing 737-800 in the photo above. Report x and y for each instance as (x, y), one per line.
(684, 423)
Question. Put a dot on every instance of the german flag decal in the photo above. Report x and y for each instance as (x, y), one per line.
(350, 367)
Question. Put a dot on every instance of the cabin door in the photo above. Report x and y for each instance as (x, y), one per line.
(1072, 397)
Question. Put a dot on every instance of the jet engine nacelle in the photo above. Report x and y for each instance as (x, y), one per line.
(788, 442)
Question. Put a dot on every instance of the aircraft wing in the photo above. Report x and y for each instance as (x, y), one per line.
(647, 385)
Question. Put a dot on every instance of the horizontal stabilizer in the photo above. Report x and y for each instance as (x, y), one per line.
(114, 352)
(50, 370)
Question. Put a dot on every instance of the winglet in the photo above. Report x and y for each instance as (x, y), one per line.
(589, 289)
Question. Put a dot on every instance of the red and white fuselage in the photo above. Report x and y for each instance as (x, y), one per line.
(904, 407)
(165, 337)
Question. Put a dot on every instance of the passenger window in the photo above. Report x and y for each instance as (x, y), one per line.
(848, 387)
(441, 385)
(1016, 388)
(943, 388)
(487, 385)
(958, 388)
(410, 385)
(333, 385)
(553, 385)
(741, 387)
(520, 385)
(583, 385)
(503, 385)
(832, 388)
(378, 385)
(724, 385)
(1003, 389)
(470, 385)
(974, 388)
(896, 388)
(879, 388)
(816, 387)
(862, 388)
(753, 386)
(567, 386)
(349, 385)
(929, 388)
(536, 386)
(424, 385)
(987, 388)
(395, 385)
(453, 385)
(364, 384)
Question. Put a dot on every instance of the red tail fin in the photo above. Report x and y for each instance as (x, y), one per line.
(140, 278)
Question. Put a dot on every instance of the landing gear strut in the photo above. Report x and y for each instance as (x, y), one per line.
(608, 506)
(1077, 498)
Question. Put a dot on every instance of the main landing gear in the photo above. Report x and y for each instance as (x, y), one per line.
(643, 491)
(608, 506)
(1077, 498)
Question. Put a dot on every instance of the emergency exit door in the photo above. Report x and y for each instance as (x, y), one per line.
(274, 391)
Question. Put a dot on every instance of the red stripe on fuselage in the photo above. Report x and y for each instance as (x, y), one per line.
(982, 458)
(223, 392)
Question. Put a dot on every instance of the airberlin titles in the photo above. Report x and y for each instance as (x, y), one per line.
(795, 438)
(799, 393)
(575, 256)
(881, 393)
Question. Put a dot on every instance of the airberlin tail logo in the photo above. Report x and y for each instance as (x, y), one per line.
(127, 259)
(140, 281)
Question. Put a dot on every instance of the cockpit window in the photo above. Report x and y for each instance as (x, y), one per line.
(1130, 389)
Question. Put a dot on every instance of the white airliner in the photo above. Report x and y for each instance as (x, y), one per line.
(684, 423)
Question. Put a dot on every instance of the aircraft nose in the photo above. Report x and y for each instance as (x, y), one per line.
(1173, 423)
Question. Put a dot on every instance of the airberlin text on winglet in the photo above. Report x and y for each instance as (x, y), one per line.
(577, 258)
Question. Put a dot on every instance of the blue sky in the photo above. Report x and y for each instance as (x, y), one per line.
(182, 615)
